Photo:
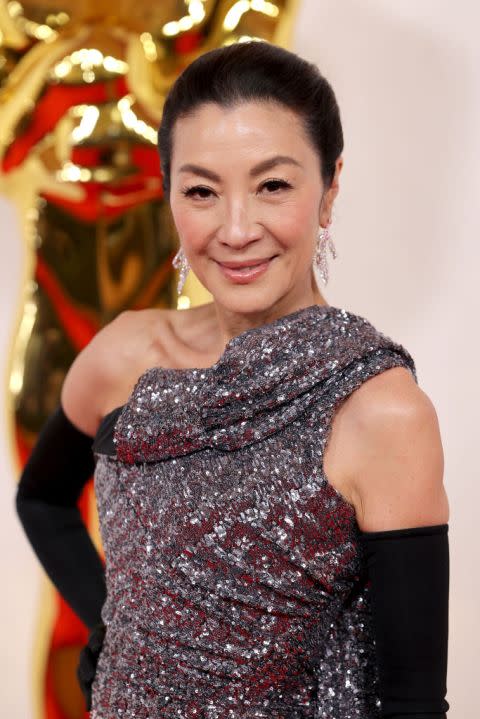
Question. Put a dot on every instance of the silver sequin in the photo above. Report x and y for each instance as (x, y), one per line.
(235, 582)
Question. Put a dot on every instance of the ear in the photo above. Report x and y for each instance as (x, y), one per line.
(325, 216)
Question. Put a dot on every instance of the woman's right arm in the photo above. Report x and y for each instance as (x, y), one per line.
(59, 465)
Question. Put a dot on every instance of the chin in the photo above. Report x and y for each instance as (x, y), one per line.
(253, 302)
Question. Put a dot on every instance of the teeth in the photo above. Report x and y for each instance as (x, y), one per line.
(249, 267)
(244, 270)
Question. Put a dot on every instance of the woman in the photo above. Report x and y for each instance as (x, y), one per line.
(268, 471)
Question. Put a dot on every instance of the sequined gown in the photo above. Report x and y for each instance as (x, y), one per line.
(235, 581)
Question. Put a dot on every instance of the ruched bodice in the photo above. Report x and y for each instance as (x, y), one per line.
(235, 581)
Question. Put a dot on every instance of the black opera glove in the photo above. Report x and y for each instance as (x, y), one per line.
(59, 465)
(88, 659)
(409, 573)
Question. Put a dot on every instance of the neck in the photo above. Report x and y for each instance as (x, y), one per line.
(232, 323)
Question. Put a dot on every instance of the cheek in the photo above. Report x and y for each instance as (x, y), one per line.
(191, 226)
(296, 223)
(292, 223)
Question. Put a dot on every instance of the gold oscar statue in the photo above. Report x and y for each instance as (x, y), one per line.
(82, 85)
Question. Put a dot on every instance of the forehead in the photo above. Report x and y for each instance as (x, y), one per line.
(256, 127)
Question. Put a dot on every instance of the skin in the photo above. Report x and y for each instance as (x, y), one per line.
(384, 453)
(239, 217)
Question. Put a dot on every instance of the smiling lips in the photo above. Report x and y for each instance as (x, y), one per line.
(242, 272)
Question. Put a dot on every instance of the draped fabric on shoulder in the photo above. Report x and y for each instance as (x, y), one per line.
(236, 583)
(265, 379)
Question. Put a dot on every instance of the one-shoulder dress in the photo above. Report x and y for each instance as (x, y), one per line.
(236, 586)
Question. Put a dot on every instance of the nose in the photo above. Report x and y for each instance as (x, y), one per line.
(239, 227)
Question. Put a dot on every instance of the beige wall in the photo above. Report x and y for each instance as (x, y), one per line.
(406, 229)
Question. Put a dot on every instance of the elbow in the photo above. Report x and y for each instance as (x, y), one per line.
(19, 499)
(23, 505)
(28, 505)
(24, 491)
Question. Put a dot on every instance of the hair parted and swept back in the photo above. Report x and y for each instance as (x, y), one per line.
(256, 70)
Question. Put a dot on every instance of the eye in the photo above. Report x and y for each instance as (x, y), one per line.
(197, 190)
(191, 191)
(279, 183)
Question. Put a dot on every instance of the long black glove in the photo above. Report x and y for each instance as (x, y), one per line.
(57, 469)
(409, 572)
(87, 665)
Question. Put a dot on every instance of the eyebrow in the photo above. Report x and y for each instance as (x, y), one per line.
(256, 169)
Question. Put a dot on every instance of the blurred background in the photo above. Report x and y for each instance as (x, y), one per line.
(86, 234)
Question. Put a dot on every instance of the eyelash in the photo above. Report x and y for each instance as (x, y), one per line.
(191, 191)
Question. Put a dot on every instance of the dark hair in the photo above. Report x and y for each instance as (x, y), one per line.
(256, 70)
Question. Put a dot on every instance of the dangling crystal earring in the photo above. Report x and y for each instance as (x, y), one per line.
(324, 240)
(180, 262)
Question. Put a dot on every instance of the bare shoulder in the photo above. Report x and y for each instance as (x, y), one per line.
(103, 374)
(396, 459)
(387, 394)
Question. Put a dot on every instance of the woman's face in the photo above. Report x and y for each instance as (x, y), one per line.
(245, 187)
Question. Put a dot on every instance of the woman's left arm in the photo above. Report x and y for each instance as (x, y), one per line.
(403, 513)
